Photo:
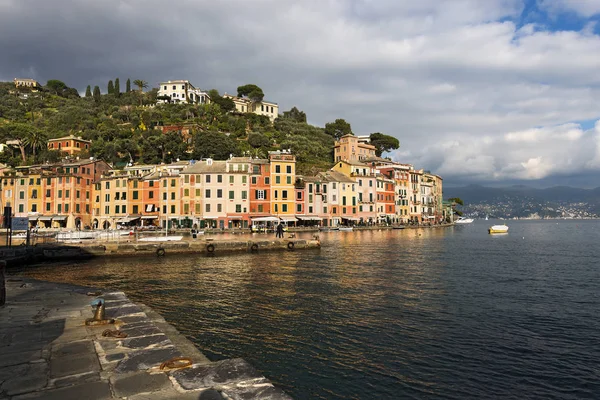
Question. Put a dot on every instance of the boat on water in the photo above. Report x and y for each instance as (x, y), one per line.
(498, 229)
(160, 239)
(345, 228)
(398, 227)
(463, 220)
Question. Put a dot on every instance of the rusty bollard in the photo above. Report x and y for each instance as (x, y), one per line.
(2, 283)
(99, 314)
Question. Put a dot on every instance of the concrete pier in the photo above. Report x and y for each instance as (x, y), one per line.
(47, 352)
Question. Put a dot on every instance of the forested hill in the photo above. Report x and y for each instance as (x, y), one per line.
(122, 125)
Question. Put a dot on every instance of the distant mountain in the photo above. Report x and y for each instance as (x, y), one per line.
(527, 202)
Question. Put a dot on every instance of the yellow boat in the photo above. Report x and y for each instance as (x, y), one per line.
(498, 229)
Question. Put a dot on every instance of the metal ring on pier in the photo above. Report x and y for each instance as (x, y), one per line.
(254, 247)
(210, 248)
(290, 245)
(160, 252)
(177, 362)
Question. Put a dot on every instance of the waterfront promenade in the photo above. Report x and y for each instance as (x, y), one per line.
(48, 352)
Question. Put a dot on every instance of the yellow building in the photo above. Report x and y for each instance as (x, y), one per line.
(26, 83)
(282, 176)
(69, 144)
(352, 148)
(244, 105)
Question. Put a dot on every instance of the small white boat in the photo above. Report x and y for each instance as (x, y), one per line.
(463, 220)
(160, 239)
(345, 228)
(498, 229)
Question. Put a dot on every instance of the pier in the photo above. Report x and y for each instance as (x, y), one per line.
(54, 346)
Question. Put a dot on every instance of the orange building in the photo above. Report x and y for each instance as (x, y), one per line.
(69, 144)
(352, 148)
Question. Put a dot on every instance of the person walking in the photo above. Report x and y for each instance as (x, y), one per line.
(279, 233)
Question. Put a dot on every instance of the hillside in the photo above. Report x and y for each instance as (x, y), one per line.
(126, 127)
(526, 202)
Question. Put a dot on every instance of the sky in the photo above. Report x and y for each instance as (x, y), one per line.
(491, 92)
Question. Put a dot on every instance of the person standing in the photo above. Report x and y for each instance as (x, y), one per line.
(279, 230)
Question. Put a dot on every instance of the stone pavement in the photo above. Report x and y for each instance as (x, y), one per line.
(47, 352)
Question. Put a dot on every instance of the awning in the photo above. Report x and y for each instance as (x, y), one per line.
(206, 217)
(289, 219)
(150, 217)
(305, 218)
(351, 218)
(265, 219)
(35, 218)
(45, 219)
(430, 216)
(234, 217)
(60, 218)
(127, 220)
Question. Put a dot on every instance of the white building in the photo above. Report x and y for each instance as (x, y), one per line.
(181, 91)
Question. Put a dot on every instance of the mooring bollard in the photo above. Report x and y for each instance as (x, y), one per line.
(2, 283)
(99, 314)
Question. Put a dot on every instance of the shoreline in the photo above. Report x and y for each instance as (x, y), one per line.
(48, 351)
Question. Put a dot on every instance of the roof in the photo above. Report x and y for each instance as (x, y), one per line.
(240, 159)
(202, 167)
(70, 137)
(334, 176)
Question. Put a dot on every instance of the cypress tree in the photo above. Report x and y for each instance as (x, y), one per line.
(88, 91)
(128, 86)
(96, 94)
(111, 87)
(117, 91)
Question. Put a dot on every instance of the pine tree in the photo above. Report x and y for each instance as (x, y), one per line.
(117, 90)
(128, 86)
(96, 94)
(88, 91)
(111, 87)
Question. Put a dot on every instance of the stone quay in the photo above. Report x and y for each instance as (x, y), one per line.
(55, 345)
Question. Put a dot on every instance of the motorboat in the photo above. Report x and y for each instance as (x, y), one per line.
(463, 220)
(498, 229)
(345, 228)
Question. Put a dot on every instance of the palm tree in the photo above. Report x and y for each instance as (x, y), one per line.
(141, 84)
(36, 139)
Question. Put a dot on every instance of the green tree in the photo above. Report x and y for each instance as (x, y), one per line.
(128, 86)
(225, 103)
(257, 140)
(338, 128)
(456, 201)
(19, 132)
(36, 139)
(55, 86)
(214, 145)
(141, 84)
(383, 143)
(251, 91)
(88, 91)
(96, 94)
(117, 90)
(295, 114)
(111, 87)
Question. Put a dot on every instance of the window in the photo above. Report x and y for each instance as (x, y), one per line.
(186, 208)
(151, 194)
(67, 194)
(253, 180)
(284, 194)
(207, 193)
(165, 196)
(244, 179)
(277, 179)
(106, 186)
(298, 208)
(278, 169)
(276, 194)
(60, 194)
(47, 206)
(198, 193)
(172, 195)
(117, 209)
(198, 180)
(238, 208)
(21, 207)
(207, 178)
(310, 209)
(231, 179)
(284, 208)
(231, 195)
(151, 183)
(219, 207)
(219, 178)
(172, 209)
(276, 208)
(135, 209)
(288, 169)
(267, 181)
(260, 194)
(186, 192)
(197, 208)
(244, 195)
(172, 182)
(59, 208)
(106, 210)
(22, 195)
(289, 180)
(207, 208)
(260, 208)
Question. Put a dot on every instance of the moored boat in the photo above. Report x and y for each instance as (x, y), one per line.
(463, 220)
(160, 239)
(498, 229)
(345, 228)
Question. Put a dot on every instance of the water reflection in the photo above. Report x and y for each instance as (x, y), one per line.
(384, 314)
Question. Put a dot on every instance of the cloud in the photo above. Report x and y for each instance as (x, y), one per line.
(469, 92)
(586, 8)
